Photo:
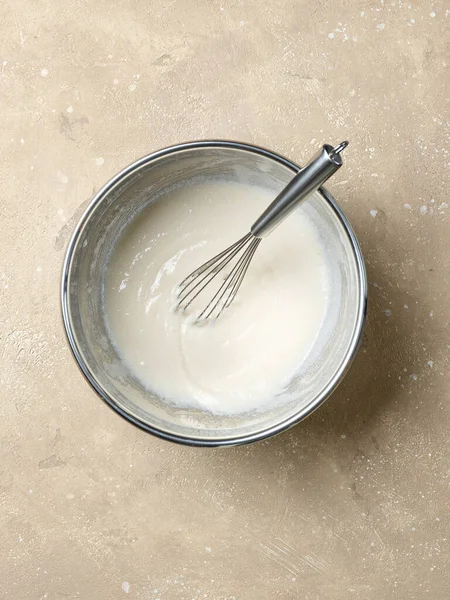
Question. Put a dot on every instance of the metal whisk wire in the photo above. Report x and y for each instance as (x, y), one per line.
(307, 181)
(187, 293)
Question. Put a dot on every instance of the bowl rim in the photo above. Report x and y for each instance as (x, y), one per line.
(200, 440)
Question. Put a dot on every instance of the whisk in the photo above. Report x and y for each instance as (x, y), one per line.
(307, 181)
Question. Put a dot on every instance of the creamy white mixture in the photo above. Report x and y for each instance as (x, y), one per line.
(247, 357)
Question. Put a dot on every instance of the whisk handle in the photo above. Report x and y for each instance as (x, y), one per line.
(307, 181)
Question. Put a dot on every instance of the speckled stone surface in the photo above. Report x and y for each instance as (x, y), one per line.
(354, 502)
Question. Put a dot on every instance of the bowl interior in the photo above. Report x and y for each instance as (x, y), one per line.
(121, 201)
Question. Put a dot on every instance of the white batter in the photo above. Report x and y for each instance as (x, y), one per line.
(247, 357)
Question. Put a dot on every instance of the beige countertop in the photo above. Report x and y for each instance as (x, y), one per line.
(354, 502)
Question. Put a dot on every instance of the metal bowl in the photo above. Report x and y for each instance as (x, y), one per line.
(83, 281)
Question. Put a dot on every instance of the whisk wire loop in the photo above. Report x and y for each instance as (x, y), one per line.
(229, 288)
(193, 284)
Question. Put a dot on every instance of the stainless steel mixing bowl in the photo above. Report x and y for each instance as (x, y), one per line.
(83, 281)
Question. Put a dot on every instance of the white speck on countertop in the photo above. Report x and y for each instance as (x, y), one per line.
(331, 35)
(430, 363)
(413, 376)
(343, 436)
(132, 87)
(126, 587)
(208, 549)
(22, 141)
(388, 312)
(99, 161)
(432, 14)
(373, 212)
(116, 82)
(407, 205)
(44, 72)
(69, 109)
(381, 26)
(62, 177)
(423, 209)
